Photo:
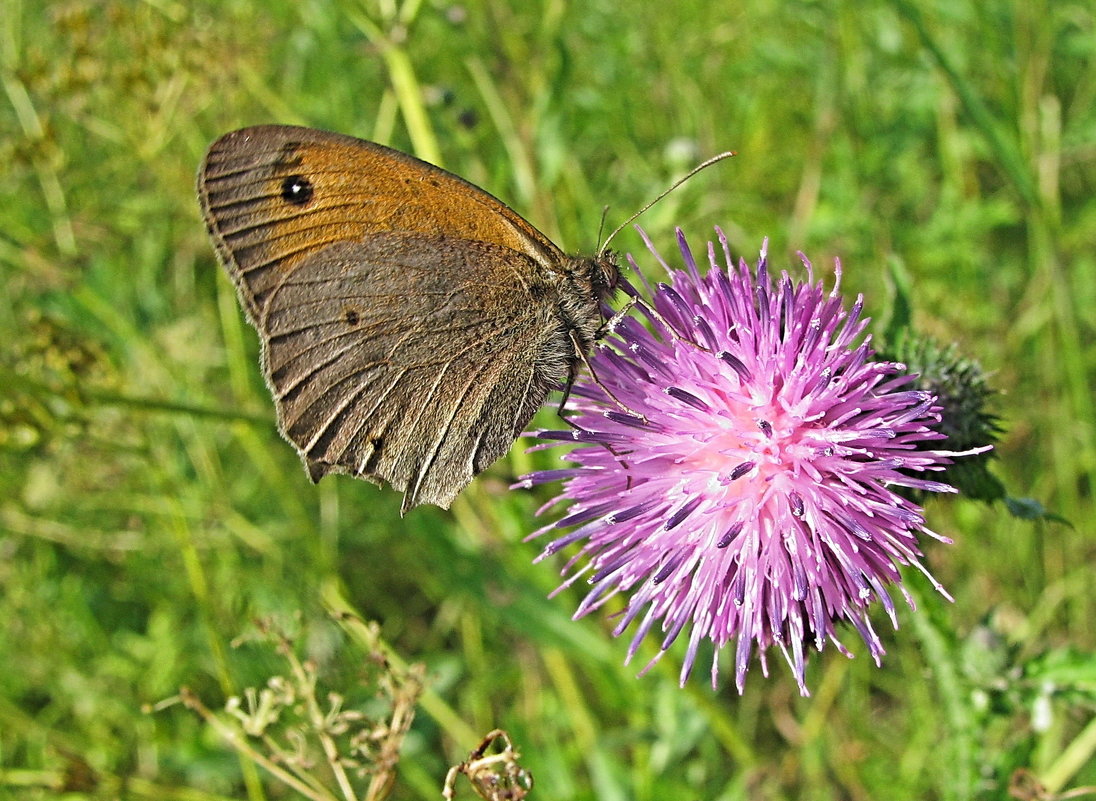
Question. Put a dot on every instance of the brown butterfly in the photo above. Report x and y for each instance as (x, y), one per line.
(411, 323)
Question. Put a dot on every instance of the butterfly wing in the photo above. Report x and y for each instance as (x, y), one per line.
(406, 316)
(274, 195)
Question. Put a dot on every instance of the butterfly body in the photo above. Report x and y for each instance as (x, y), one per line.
(411, 323)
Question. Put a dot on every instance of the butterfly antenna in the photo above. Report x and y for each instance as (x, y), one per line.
(702, 165)
(601, 225)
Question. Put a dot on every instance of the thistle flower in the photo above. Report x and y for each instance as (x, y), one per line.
(736, 467)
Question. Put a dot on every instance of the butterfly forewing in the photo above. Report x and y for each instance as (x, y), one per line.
(273, 195)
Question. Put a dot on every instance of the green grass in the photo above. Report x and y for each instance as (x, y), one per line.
(150, 514)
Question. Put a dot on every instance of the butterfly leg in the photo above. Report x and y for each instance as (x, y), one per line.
(593, 374)
(652, 313)
(610, 325)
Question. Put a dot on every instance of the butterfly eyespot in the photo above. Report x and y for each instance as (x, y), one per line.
(352, 317)
(296, 189)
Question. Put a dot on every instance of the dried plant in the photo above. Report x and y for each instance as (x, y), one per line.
(494, 776)
(312, 739)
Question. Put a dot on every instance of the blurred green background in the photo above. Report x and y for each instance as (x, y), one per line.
(150, 514)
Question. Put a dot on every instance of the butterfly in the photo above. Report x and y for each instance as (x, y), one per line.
(411, 323)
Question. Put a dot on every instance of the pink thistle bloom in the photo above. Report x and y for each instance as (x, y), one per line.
(748, 492)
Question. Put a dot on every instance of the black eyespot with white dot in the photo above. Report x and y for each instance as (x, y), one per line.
(297, 189)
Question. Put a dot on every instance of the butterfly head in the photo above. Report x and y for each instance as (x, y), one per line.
(605, 274)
